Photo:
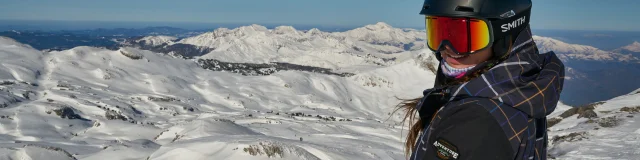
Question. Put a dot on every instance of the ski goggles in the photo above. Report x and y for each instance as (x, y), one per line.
(462, 34)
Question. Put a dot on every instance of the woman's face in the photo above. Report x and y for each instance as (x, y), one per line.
(469, 60)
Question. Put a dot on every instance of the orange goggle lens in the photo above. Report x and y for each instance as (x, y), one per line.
(465, 35)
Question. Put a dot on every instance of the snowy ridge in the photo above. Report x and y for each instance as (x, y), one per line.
(257, 44)
(382, 33)
(135, 104)
(579, 52)
(157, 40)
(603, 130)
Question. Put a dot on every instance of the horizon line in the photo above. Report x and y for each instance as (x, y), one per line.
(268, 25)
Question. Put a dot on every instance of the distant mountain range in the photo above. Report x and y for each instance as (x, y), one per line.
(130, 32)
(604, 40)
(581, 52)
(61, 41)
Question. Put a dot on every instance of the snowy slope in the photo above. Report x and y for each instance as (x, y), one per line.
(21, 67)
(133, 104)
(608, 130)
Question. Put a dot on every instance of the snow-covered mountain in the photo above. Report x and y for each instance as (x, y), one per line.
(603, 130)
(633, 48)
(580, 52)
(156, 40)
(366, 46)
(91, 103)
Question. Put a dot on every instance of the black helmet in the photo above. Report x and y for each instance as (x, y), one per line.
(506, 18)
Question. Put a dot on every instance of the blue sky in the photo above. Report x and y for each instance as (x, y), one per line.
(547, 14)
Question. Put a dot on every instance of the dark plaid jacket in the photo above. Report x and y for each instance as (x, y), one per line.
(498, 115)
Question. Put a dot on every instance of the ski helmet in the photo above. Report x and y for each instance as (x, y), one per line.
(468, 26)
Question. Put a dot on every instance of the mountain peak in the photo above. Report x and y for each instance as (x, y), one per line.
(314, 31)
(253, 27)
(634, 47)
(284, 29)
(379, 26)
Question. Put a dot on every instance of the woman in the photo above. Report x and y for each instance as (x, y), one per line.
(493, 88)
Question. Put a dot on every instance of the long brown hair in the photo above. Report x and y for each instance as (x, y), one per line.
(408, 106)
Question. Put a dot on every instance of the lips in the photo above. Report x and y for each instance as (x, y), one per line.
(454, 59)
(456, 56)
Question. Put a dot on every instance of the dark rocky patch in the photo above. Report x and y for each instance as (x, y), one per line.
(631, 109)
(132, 56)
(607, 122)
(269, 149)
(67, 112)
(190, 109)
(585, 111)
(5, 117)
(553, 121)
(136, 111)
(65, 86)
(111, 115)
(572, 137)
(5, 83)
(183, 50)
(162, 99)
(588, 114)
(251, 69)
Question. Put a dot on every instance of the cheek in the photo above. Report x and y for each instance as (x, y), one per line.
(481, 57)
